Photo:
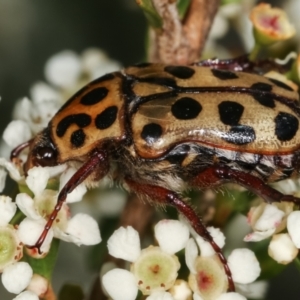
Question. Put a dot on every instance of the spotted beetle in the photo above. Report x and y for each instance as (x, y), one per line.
(167, 128)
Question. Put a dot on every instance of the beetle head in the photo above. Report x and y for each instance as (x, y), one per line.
(42, 152)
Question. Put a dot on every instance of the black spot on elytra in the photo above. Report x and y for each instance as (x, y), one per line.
(77, 138)
(168, 82)
(151, 133)
(261, 86)
(81, 120)
(240, 135)
(142, 65)
(286, 126)
(94, 96)
(265, 100)
(105, 119)
(224, 74)
(281, 84)
(186, 108)
(181, 72)
(230, 112)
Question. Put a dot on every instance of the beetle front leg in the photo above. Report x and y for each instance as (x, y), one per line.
(217, 175)
(97, 160)
(161, 195)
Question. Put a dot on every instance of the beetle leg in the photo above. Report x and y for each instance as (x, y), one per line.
(216, 175)
(97, 160)
(161, 195)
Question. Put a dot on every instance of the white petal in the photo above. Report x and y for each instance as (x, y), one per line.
(172, 235)
(11, 168)
(29, 231)
(160, 296)
(63, 69)
(39, 285)
(27, 295)
(16, 277)
(7, 210)
(22, 110)
(270, 218)
(258, 236)
(125, 243)
(231, 296)
(16, 133)
(205, 247)
(42, 92)
(197, 297)
(243, 265)
(37, 180)
(77, 194)
(56, 170)
(282, 248)
(3, 175)
(26, 205)
(254, 290)
(120, 284)
(81, 230)
(191, 252)
(293, 225)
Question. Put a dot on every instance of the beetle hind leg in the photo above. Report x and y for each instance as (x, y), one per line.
(217, 174)
(162, 195)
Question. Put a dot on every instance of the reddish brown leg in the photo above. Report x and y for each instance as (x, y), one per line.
(163, 196)
(16, 151)
(97, 160)
(216, 175)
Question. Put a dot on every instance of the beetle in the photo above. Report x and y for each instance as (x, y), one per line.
(168, 128)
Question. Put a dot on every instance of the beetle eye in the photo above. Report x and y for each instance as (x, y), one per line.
(46, 156)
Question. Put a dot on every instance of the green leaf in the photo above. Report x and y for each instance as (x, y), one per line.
(224, 2)
(44, 266)
(71, 292)
(150, 12)
(182, 7)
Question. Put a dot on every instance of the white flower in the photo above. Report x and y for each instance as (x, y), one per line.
(153, 268)
(63, 69)
(293, 223)
(16, 133)
(38, 285)
(160, 296)
(37, 179)
(27, 295)
(171, 235)
(125, 244)
(243, 265)
(7, 210)
(78, 193)
(205, 247)
(120, 284)
(282, 249)
(16, 277)
(266, 219)
(231, 296)
(80, 229)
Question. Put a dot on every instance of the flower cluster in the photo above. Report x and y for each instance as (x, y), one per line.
(66, 72)
(154, 270)
(280, 221)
